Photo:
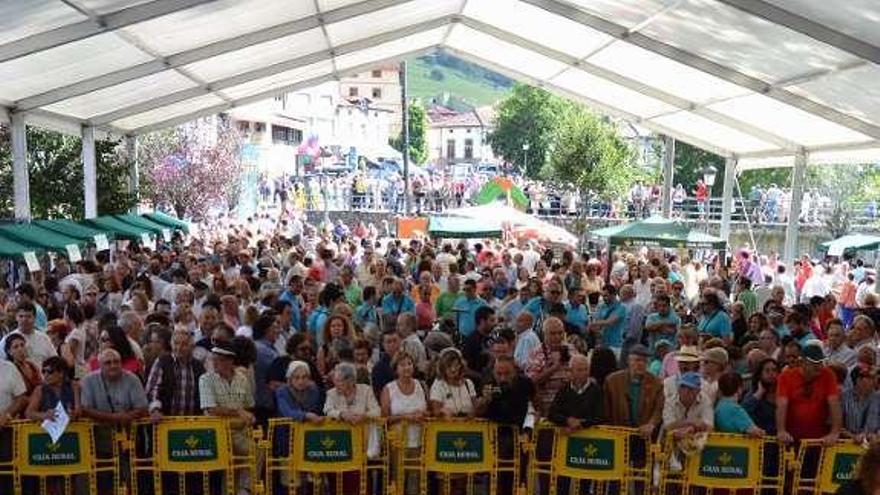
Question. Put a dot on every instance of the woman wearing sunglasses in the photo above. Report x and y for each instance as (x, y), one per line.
(114, 337)
(56, 387)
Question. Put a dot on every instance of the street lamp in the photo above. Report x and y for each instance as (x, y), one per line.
(525, 148)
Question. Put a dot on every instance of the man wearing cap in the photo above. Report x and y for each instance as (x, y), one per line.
(226, 392)
(689, 410)
(861, 405)
(807, 400)
(634, 397)
(687, 359)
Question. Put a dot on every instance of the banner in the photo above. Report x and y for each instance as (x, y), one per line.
(39, 456)
(839, 465)
(452, 447)
(328, 448)
(593, 453)
(409, 228)
(184, 448)
(726, 462)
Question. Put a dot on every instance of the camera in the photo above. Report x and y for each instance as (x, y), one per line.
(564, 354)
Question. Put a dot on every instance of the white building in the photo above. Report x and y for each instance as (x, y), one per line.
(459, 137)
(381, 86)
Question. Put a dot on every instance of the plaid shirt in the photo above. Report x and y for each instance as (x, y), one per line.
(183, 395)
(860, 416)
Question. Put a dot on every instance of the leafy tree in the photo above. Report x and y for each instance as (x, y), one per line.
(418, 135)
(590, 155)
(56, 175)
(191, 168)
(528, 116)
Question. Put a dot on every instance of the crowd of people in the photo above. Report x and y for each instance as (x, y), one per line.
(276, 318)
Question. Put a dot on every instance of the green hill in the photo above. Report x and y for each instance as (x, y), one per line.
(453, 82)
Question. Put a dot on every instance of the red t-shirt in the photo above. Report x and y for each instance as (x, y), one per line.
(808, 416)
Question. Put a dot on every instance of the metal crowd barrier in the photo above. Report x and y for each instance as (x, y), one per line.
(725, 463)
(330, 457)
(599, 460)
(820, 469)
(213, 456)
(196, 455)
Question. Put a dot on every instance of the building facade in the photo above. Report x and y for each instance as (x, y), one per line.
(381, 86)
(459, 137)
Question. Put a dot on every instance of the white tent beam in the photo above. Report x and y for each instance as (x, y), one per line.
(201, 53)
(229, 82)
(273, 92)
(92, 27)
(718, 70)
(586, 100)
(20, 175)
(638, 86)
(817, 31)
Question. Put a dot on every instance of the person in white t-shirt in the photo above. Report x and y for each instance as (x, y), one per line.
(13, 392)
(39, 345)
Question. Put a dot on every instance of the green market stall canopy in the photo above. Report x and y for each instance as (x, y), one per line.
(463, 228)
(658, 232)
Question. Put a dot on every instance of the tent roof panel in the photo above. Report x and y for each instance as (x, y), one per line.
(66, 64)
(21, 19)
(531, 22)
(733, 76)
(10, 248)
(72, 229)
(34, 235)
(744, 42)
(119, 96)
(259, 55)
(215, 21)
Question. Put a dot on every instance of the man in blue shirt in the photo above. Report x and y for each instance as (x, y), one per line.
(540, 305)
(715, 321)
(663, 323)
(293, 295)
(465, 308)
(577, 313)
(610, 320)
(396, 302)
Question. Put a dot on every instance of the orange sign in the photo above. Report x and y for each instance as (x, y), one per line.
(408, 228)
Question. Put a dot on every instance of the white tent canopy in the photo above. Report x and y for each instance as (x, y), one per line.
(758, 81)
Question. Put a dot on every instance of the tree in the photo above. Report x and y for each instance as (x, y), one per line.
(56, 175)
(529, 116)
(418, 135)
(191, 168)
(590, 155)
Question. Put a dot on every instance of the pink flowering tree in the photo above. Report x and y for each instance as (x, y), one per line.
(192, 168)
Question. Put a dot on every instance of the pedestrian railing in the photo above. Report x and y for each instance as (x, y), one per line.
(219, 456)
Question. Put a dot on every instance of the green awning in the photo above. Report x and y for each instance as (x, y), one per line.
(658, 232)
(39, 237)
(164, 219)
(73, 229)
(10, 248)
(117, 227)
(463, 228)
(144, 223)
(851, 243)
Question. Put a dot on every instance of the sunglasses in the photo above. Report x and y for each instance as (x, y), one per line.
(48, 370)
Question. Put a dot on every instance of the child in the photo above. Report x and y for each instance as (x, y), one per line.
(730, 417)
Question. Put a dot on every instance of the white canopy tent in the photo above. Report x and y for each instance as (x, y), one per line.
(761, 82)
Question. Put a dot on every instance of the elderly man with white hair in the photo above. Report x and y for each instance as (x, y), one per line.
(348, 400)
(579, 403)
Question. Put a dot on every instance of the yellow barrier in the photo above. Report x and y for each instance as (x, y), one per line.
(725, 463)
(193, 455)
(83, 460)
(591, 461)
(464, 457)
(821, 470)
(305, 457)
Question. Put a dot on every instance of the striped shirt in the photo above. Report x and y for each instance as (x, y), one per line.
(216, 391)
(860, 415)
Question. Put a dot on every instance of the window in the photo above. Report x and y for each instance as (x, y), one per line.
(377, 73)
(377, 93)
(352, 91)
(450, 149)
(259, 126)
(244, 126)
(468, 149)
(286, 135)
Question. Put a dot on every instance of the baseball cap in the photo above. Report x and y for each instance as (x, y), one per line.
(690, 380)
(813, 353)
(223, 349)
(640, 350)
(716, 355)
(688, 354)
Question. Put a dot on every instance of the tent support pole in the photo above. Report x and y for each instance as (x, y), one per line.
(90, 173)
(20, 175)
(668, 175)
(134, 178)
(727, 197)
(798, 175)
